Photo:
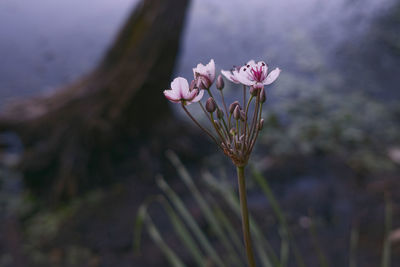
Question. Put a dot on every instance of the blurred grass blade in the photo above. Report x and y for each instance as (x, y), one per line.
(286, 234)
(205, 208)
(388, 228)
(233, 234)
(184, 234)
(140, 218)
(188, 218)
(317, 245)
(269, 258)
(354, 235)
(172, 258)
(284, 248)
(139, 222)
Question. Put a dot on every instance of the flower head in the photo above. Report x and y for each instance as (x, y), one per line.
(180, 92)
(205, 73)
(231, 74)
(255, 74)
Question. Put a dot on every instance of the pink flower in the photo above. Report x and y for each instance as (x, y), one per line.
(231, 74)
(205, 73)
(255, 74)
(180, 92)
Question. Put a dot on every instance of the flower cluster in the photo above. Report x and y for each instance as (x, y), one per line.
(236, 126)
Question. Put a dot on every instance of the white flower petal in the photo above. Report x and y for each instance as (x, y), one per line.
(272, 76)
(230, 75)
(172, 96)
(251, 62)
(180, 86)
(244, 77)
(189, 95)
(211, 70)
(198, 97)
(206, 71)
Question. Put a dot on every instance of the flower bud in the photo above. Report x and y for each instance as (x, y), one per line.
(262, 96)
(220, 114)
(211, 106)
(261, 124)
(242, 115)
(253, 91)
(220, 83)
(233, 106)
(236, 113)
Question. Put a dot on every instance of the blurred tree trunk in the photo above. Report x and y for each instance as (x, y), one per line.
(69, 137)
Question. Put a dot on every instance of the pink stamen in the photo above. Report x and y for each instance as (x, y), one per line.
(257, 73)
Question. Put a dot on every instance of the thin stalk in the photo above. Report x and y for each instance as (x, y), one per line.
(237, 128)
(217, 130)
(246, 116)
(226, 129)
(255, 117)
(201, 127)
(223, 102)
(245, 216)
(264, 249)
(209, 93)
(205, 112)
(252, 142)
(244, 95)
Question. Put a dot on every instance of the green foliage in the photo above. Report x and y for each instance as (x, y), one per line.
(220, 243)
(355, 128)
(42, 226)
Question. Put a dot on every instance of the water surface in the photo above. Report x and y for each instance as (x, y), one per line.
(45, 44)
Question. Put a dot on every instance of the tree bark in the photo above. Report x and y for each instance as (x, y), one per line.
(69, 138)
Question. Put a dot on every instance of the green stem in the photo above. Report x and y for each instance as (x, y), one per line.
(245, 216)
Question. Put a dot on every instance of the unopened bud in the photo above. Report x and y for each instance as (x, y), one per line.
(233, 106)
(236, 113)
(242, 115)
(220, 83)
(253, 91)
(211, 106)
(220, 114)
(261, 124)
(262, 96)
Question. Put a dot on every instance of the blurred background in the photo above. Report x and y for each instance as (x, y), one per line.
(84, 126)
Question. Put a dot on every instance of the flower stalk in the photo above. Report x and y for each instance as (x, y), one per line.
(245, 217)
(235, 130)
